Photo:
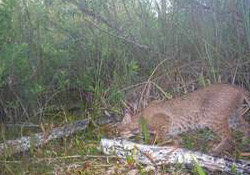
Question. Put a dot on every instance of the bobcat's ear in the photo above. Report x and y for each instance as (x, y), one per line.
(127, 118)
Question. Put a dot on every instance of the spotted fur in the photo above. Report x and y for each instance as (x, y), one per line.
(217, 107)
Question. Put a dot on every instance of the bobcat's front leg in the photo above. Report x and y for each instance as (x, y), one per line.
(224, 132)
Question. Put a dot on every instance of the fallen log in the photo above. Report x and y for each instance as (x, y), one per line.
(23, 144)
(155, 155)
(10, 147)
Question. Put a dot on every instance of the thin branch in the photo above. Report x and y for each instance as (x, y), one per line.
(142, 46)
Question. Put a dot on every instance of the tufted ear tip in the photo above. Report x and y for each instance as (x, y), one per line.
(127, 118)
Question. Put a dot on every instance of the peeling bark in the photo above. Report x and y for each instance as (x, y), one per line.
(155, 155)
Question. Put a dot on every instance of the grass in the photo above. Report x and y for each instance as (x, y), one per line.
(78, 154)
(78, 65)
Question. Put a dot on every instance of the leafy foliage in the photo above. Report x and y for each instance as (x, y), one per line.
(70, 59)
(49, 49)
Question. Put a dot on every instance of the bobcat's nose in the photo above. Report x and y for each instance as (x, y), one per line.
(126, 134)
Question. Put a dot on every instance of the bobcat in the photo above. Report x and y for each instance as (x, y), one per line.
(217, 107)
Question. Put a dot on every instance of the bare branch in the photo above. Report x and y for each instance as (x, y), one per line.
(142, 46)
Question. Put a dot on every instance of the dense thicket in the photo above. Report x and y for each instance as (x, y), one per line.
(62, 52)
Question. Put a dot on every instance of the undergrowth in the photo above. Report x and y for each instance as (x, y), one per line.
(62, 61)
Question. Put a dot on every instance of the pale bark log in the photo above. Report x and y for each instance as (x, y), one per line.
(22, 144)
(155, 155)
(10, 147)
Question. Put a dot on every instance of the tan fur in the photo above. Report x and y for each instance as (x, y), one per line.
(216, 107)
